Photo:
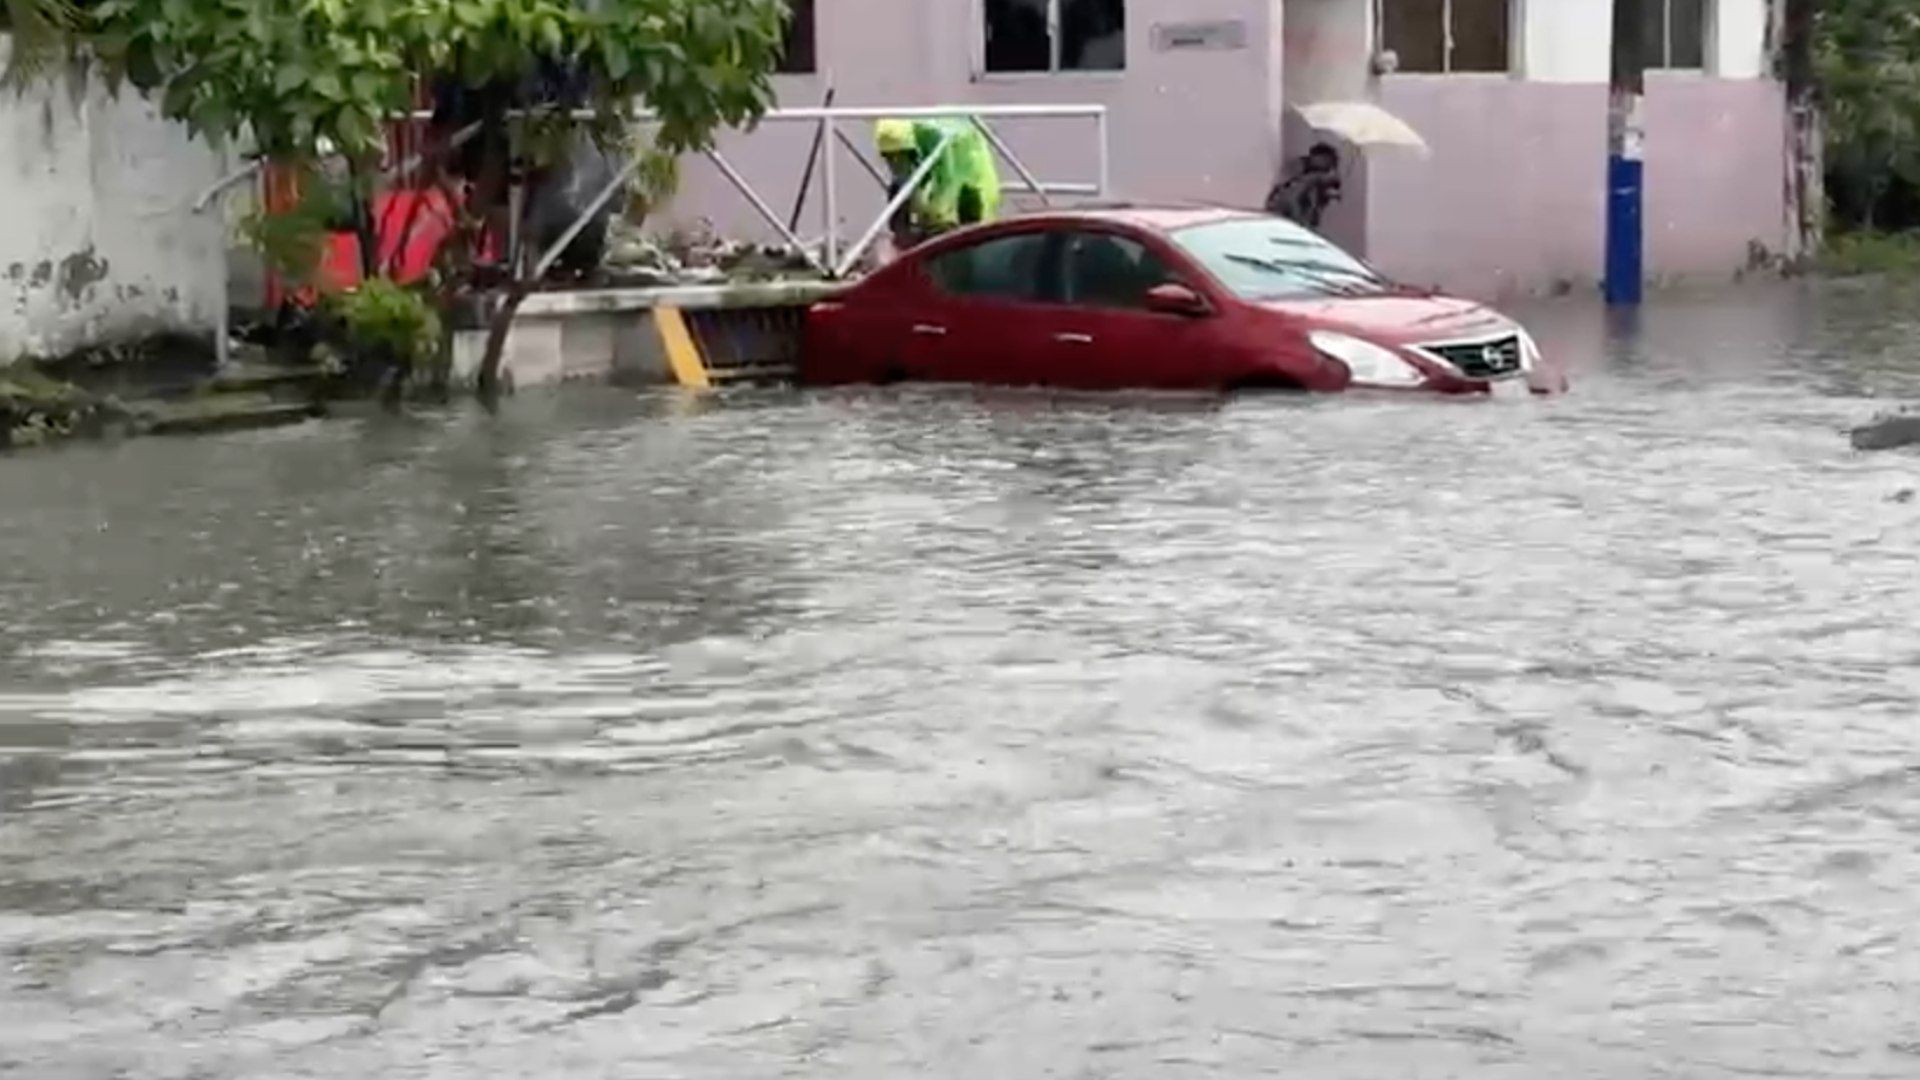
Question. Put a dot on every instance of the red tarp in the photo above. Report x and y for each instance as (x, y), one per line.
(410, 227)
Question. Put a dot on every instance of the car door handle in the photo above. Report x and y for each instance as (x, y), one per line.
(929, 330)
(1074, 339)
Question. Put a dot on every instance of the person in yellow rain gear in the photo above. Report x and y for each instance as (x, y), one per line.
(963, 187)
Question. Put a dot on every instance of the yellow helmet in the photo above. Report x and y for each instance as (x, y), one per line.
(893, 136)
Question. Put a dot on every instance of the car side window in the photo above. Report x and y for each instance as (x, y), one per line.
(1004, 268)
(1105, 270)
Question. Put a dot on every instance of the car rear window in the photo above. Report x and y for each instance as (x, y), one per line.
(1005, 267)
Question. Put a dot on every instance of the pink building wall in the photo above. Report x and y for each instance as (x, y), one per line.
(1510, 201)
(1716, 173)
(1513, 198)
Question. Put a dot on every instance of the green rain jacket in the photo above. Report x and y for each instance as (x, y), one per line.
(967, 165)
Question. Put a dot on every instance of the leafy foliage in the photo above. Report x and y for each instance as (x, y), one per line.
(292, 241)
(1886, 255)
(41, 31)
(391, 321)
(1867, 63)
(292, 74)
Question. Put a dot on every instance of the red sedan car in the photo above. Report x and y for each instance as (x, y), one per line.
(1158, 298)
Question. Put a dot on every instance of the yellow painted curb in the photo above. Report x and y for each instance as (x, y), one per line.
(683, 353)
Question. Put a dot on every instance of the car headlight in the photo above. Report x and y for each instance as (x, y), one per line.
(1376, 365)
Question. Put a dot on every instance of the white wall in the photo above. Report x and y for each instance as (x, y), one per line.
(1567, 41)
(1739, 42)
(1571, 40)
(96, 242)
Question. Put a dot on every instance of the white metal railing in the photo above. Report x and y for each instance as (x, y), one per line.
(833, 262)
(837, 263)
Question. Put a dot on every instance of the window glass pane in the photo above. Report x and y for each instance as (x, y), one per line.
(1093, 35)
(1479, 35)
(1007, 268)
(1267, 258)
(1111, 271)
(1653, 33)
(1416, 30)
(1689, 34)
(1017, 36)
(797, 51)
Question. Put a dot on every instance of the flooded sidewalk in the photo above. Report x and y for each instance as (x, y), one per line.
(962, 732)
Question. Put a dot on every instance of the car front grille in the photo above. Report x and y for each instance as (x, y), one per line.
(1493, 358)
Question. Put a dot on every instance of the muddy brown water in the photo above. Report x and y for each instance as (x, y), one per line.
(972, 734)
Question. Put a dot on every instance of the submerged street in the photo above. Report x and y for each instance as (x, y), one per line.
(988, 733)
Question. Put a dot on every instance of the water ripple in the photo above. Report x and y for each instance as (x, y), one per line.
(965, 732)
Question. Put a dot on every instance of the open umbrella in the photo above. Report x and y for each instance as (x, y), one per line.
(1362, 123)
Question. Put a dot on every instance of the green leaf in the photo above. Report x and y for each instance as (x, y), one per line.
(618, 61)
(327, 85)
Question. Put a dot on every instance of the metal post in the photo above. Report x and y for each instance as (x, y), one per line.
(213, 198)
(222, 348)
(516, 206)
(813, 156)
(1626, 155)
(830, 189)
(220, 187)
(907, 189)
(1100, 134)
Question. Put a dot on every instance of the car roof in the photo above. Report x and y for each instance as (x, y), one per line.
(1160, 217)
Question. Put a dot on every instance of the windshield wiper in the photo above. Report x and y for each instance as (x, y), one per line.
(1336, 279)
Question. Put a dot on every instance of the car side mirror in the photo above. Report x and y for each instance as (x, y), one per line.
(1173, 298)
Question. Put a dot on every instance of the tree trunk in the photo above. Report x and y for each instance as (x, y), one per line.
(363, 228)
(498, 324)
(1806, 169)
(494, 180)
(490, 191)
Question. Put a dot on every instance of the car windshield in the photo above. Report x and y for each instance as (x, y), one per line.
(1270, 258)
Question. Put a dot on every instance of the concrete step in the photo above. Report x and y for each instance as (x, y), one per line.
(266, 378)
(303, 382)
(223, 412)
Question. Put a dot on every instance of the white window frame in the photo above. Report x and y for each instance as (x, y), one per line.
(1709, 23)
(1054, 70)
(1516, 42)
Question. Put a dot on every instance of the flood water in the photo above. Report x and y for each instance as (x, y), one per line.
(958, 733)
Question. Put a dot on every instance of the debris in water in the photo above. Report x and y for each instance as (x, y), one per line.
(1888, 432)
